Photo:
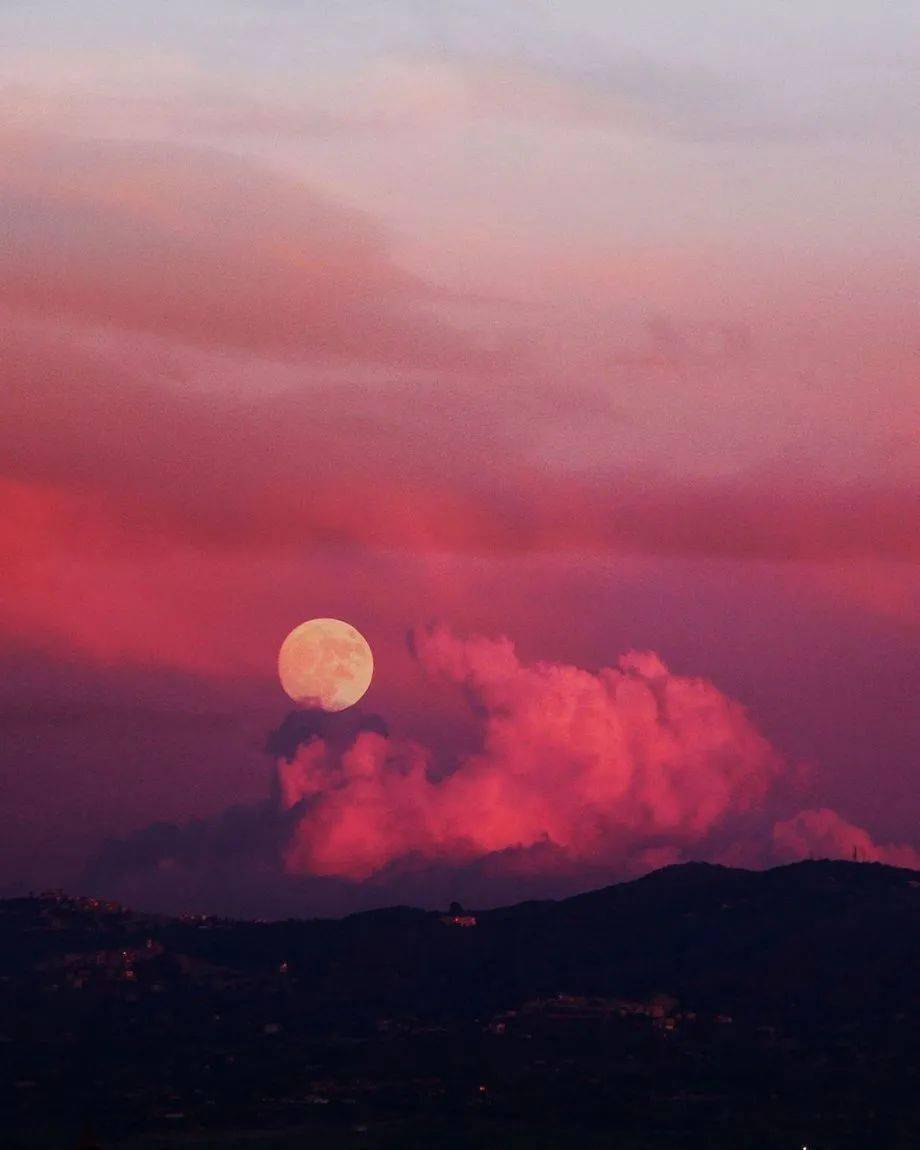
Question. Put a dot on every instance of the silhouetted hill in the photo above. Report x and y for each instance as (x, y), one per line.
(792, 994)
(801, 938)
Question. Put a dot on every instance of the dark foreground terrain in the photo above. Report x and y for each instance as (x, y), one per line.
(700, 1006)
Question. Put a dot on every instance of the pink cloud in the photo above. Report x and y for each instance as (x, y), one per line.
(609, 769)
(578, 778)
(209, 249)
(823, 833)
(597, 774)
(418, 467)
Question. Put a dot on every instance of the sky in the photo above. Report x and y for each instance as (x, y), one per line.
(569, 352)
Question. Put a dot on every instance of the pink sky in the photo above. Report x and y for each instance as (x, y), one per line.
(594, 333)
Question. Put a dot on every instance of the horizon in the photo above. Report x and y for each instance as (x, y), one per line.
(689, 865)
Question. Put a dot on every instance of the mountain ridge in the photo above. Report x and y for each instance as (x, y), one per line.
(695, 998)
(685, 876)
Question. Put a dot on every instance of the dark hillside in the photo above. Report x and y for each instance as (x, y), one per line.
(697, 999)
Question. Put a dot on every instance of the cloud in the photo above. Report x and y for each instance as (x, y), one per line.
(333, 729)
(206, 248)
(602, 767)
(241, 834)
(580, 778)
(98, 95)
(421, 466)
(168, 95)
(142, 511)
(823, 833)
(671, 348)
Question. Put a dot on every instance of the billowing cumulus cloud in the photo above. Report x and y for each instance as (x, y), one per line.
(580, 778)
(823, 833)
(611, 768)
(613, 772)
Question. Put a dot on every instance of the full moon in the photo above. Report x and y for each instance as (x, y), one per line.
(326, 664)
